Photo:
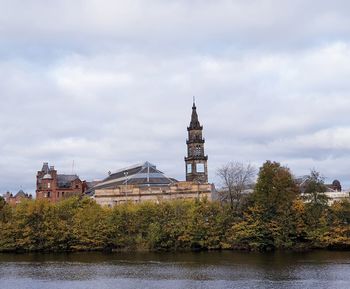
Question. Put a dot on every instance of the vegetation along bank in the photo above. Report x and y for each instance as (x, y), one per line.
(274, 216)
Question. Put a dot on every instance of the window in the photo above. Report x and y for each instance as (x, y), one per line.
(198, 151)
(58, 194)
(48, 194)
(189, 168)
(48, 185)
(200, 168)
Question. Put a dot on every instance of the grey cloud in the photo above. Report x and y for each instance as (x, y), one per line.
(39, 28)
(111, 85)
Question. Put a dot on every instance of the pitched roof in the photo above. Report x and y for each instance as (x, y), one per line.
(20, 194)
(145, 174)
(64, 181)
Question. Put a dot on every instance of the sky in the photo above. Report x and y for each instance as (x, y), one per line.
(108, 84)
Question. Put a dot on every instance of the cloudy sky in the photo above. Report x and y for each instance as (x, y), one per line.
(110, 83)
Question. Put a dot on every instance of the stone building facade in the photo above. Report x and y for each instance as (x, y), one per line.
(54, 187)
(144, 182)
(196, 160)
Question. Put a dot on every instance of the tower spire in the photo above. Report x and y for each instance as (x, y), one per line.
(194, 124)
(196, 160)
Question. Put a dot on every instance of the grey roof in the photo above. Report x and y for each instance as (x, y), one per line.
(20, 194)
(145, 174)
(64, 181)
(45, 168)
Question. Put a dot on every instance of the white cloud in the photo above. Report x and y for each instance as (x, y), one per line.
(110, 83)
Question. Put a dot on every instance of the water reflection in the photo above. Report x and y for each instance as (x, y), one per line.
(321, 269)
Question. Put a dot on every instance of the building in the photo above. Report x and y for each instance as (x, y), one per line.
(144, 182)
(55, 187)
(14, 200)
(196, 161)
(333, 191)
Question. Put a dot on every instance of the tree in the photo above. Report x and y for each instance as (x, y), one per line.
(235, 178)
(275, 189)
(5, 210)
(268, 221)
(314, 189)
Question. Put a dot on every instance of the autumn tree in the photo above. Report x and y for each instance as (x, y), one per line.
(268, 221)
(235, 179)
(314, 189)
(275, 189)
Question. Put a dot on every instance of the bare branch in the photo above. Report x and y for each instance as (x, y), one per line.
(235, 179)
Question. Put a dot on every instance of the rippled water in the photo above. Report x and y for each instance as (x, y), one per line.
(321, 269)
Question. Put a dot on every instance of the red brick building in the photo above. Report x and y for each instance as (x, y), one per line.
(13, 200)
(55, 187)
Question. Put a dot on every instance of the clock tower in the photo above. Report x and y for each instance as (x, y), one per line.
(196, 160)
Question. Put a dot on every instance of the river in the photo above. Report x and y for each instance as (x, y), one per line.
(318, 269)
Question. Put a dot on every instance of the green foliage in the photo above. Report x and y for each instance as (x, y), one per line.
(314, 189)
(275, 216)
(278, 217)
(275, 189)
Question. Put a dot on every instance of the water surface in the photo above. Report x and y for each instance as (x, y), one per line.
(319, 269)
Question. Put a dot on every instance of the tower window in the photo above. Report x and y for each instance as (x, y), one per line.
(200, 168)
(189, 168)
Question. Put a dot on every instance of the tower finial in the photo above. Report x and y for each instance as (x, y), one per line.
(194, 102)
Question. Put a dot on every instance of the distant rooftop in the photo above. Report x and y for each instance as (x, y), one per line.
(145, 174)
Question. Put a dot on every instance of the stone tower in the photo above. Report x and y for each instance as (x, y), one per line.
(196, 160)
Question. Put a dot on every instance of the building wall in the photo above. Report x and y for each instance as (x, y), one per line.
(134, 194)
(337, 196)
(48, 188)
(15, 200)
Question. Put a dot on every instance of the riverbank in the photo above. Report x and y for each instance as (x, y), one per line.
(77, 225)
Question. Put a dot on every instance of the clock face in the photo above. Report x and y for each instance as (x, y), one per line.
(200, 168)
(189, 168)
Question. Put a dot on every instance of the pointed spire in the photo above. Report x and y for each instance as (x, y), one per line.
(194, 118)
